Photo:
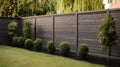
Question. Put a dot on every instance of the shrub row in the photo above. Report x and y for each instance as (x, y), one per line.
(82, 51)
(28, 43)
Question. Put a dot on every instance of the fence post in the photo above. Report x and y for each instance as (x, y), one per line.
(53, 18)
(34, 26)
(108, 50)
(77, 30)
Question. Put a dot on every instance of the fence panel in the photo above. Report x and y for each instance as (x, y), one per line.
(89, 24)
(65, 29)
(4, 38)
(44, 28)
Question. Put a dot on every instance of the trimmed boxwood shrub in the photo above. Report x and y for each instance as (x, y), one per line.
(82, 51)
(21, 41)
(51, 47)
(64, 48)
(15, 41)
(37, 44)
(28, 43)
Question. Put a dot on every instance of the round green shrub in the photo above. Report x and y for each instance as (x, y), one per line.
(28, 43)
(82, 51)
(51, 47)
(37, 44)
(21, 41)
(15, 42)
(64, 48)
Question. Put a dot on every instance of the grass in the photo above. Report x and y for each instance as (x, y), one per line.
(17, 57)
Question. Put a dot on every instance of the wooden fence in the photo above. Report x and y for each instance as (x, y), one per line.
(74, 28)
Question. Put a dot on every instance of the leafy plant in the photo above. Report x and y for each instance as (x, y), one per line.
(28, 43)
(27, 30)
(64, 48)
(51, 47)
(82, 51)
(12, 29)
(21, 41)
(37, 44)
(66, 6)
(107, 34)
(15, 41)
(110, 1)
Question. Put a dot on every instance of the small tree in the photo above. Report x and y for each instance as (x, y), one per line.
(12, 30)
(27, 30)
(107, 34)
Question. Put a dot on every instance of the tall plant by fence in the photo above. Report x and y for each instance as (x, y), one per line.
(74, 28)
(4, 21)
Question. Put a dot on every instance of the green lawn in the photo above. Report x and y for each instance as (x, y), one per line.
(16, 57)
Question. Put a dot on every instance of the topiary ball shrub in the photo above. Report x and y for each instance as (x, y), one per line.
(21, 41)
(28, 43)
(64, 48)
(82, 51)
(51, 47)
(37, 44)
(15, 42)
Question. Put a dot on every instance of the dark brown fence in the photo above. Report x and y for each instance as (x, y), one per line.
(74, 28)
(4, 38)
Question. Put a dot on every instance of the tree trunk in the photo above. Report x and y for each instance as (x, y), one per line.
(108, 58)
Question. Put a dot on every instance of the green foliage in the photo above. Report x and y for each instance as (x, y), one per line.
(28, 43)
(107, 34)
(82, 51)
(15, 41)
(13, 8)
(27, 30)
(12, 29)
(37, 44)
(51, 47)
(48, 6)
(110, 1)
(9, 8)
(64, 48)
(88, 5)
(66, 6)
(21, 41)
